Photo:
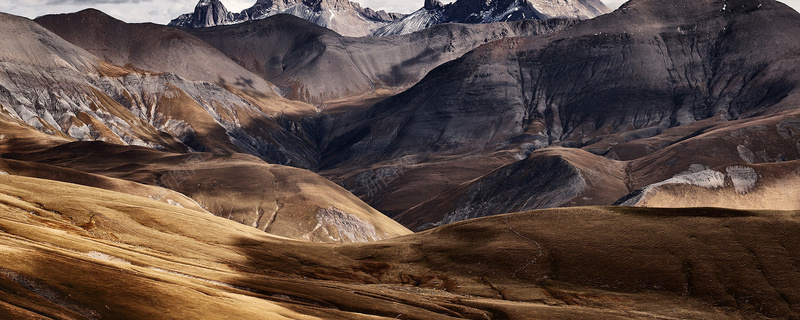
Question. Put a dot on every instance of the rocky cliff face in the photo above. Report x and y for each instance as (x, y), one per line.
(345, 17)
(207, 13)
(480, 11)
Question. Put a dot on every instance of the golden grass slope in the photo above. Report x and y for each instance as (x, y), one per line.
(280, 200)
(91, 254)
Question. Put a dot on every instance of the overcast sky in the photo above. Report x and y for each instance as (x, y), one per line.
(162, 11)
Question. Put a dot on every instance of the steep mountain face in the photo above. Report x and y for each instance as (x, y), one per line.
(302, 58)
(481, 11)
(647, 77)
(343, 16)
(596, 83)
(51, 86)
(173, 86)
(151, 47)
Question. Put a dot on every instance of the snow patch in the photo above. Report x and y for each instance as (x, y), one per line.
(697, 175)
(743, 178)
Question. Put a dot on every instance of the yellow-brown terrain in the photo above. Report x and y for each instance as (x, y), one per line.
(644, 164)
(75, 252)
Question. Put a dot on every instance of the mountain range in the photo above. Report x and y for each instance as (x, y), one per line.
(471, 11)
(342, 16)
(349, 19)
(555, 161)
(514, 94)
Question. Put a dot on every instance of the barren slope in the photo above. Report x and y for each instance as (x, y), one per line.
(742, 164)
(316, 65)
(632, 73)
(279, 200)
(61, 89)
(548, 178)
(151, 47)
(99, 254)
(652, 83)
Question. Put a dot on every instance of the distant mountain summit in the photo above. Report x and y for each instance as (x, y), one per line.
(343, 16)
(487, 11)
(349, 19)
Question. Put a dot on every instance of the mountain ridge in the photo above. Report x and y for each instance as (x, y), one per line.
(343, 16)
(477, 11)
(623, 86)
(210, 13)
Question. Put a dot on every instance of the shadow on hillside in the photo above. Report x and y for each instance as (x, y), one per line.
(705, 260)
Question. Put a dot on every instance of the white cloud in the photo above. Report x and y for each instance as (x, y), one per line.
(613, 4)
(238, 5)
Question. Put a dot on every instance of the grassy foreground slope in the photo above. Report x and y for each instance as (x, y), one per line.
(75, 252)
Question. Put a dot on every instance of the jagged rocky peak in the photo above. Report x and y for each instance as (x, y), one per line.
(343, 16)
(488, 11)
(211, 12)
(433, 4)
(207, 13)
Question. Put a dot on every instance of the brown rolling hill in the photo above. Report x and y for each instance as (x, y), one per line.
(280, 200)
(548, 178)
(761, 186)
(91, 254)
(397, 185)
(138, 182)
(742, 164)
(85, 98)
